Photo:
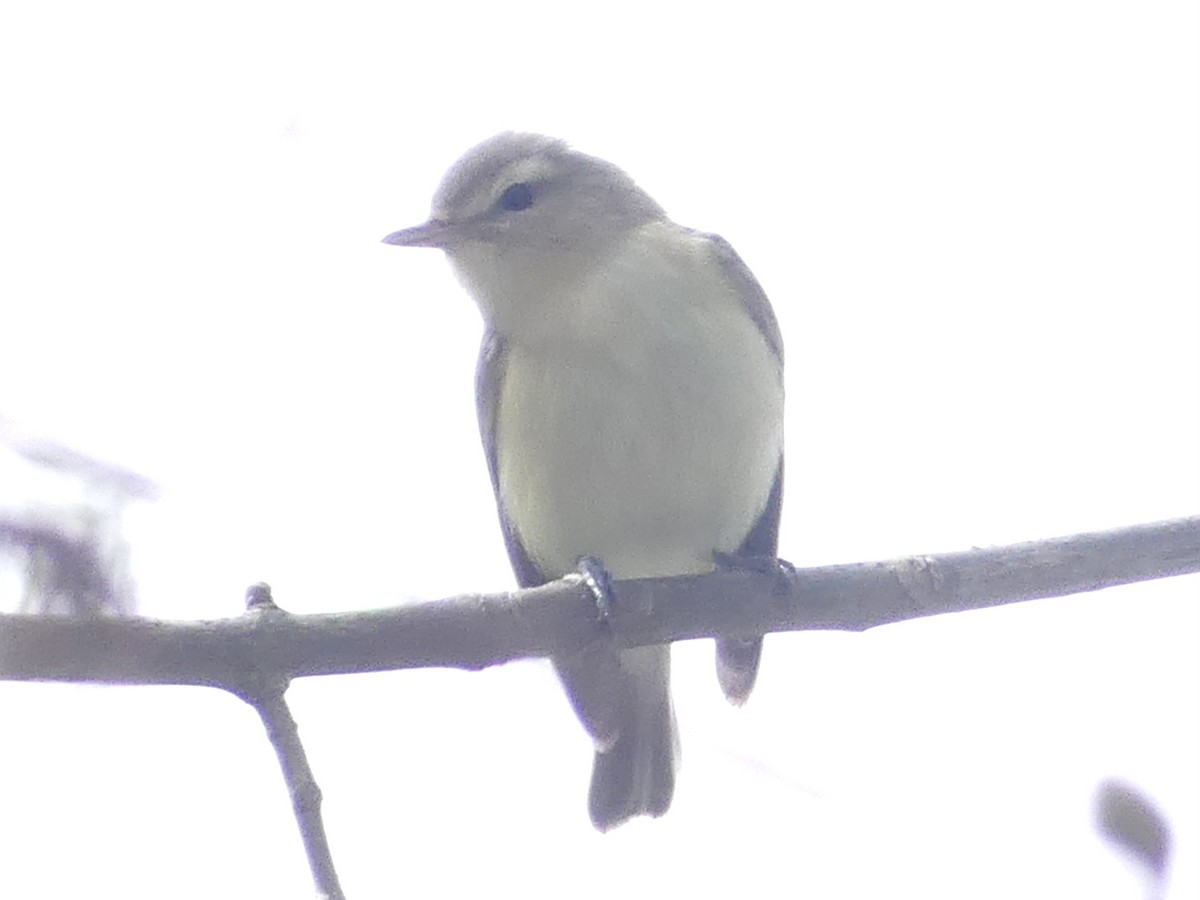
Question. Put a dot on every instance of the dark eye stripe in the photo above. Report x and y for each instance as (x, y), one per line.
(517, 197)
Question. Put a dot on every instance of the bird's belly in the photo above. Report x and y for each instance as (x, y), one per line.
(649, 458)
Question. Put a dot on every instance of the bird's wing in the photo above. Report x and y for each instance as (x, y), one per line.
(751, 292)
(489, 377)
(763, 538)
(738, 657)
(595, 680)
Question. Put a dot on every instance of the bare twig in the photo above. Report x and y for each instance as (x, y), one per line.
(475, 631)
(266, 696)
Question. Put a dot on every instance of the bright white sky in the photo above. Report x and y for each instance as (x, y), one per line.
(980, 227)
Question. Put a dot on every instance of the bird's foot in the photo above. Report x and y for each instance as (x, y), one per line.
(592, 573)
(782, 570)
(598, 688)
(738, 656)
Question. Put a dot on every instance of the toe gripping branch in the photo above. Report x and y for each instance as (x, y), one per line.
(783, 570)
(593, 574)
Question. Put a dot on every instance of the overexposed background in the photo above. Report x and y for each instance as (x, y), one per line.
(980, 228)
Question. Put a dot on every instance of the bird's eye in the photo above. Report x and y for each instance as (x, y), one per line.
(517, 197)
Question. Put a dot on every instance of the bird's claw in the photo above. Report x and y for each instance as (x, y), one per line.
(782, 570)
(592, 573)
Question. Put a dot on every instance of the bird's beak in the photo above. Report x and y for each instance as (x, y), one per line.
(434, 233)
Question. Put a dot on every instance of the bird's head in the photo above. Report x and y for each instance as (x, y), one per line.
(521, 215)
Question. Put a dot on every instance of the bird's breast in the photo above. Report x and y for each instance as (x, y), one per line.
(648, 431)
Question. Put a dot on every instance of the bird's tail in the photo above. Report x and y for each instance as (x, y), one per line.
(634, 769)
(737, 666)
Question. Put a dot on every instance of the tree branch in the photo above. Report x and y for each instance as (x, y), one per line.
(474, 631)
(256, 655)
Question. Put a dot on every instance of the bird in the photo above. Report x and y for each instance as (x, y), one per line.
(629, 391)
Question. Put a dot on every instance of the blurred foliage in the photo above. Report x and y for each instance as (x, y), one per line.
(1127, 818)
(62, 525)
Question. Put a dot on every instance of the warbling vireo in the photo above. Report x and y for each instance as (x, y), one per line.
(630, 399)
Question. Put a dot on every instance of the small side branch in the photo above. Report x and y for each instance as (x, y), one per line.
(266, 696)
